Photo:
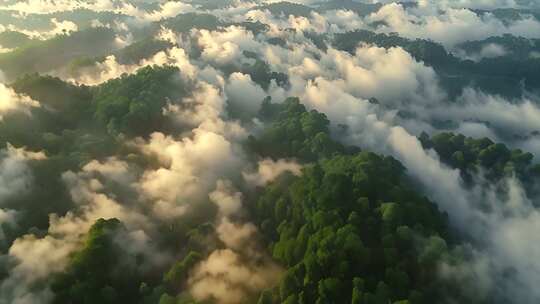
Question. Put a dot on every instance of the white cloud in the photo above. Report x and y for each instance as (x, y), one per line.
(225, 46)
(224, 276)
(451, 26)
(243, 94)
(166, 9)
(15, 174)
(35, 259)
(110, 68)
(241, 269)
(268, 170)
(189, 168)
(11, 101)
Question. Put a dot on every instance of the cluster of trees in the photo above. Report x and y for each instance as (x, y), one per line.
(131, 54)
(83, 18)
(12, 39)
(427, 51)
(77, 124)
(518, 48)
(101, 271)
(183, 23)
(72, 102)
(105, 271)
(294, 132)
(139, 50)
(286, 8)
(43, 56)
(133, 104)
(509, 15)
(350, 229)
(259, 71)
(473, 157)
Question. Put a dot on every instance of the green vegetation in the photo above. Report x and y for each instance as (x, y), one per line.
(287, 8)
(100, 272)
(183, 23)
(482, 156)
(362, 9)
(43, 56)
(349, 231)
(352, 228)
(294, 132)
(11, 39)
(143, 49)
(259, 71)
(77, 124)
(74, 102)
(133, 104)
(83, 18)
(518, 48)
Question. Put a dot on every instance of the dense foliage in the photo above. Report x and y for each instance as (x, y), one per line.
(43, 56)
(336, 223)
(294, 132)
(12, 39)
(481, 156)
(133, 104)
(100, 272)
(349, 230)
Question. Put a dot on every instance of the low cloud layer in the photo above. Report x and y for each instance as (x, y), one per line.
(241, 269)
(11, 101)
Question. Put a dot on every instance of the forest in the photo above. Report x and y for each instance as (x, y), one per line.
(265, 152)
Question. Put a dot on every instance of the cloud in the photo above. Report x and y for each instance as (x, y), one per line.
(268, 170)
(56, 28)
(521, 117)
(225, 46)
(166, 9)
(483, 4)
(489, 50)
(227, 279)
(15, 174)
(371, 128)
(7, 218)
(205, 109)
(240, 270)
(390, 75)
(16, 180)
(449, 27)
(110, 68)
(244, 95)
(41, 6)
(189, 168)
(11, 101)
(34, 259)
